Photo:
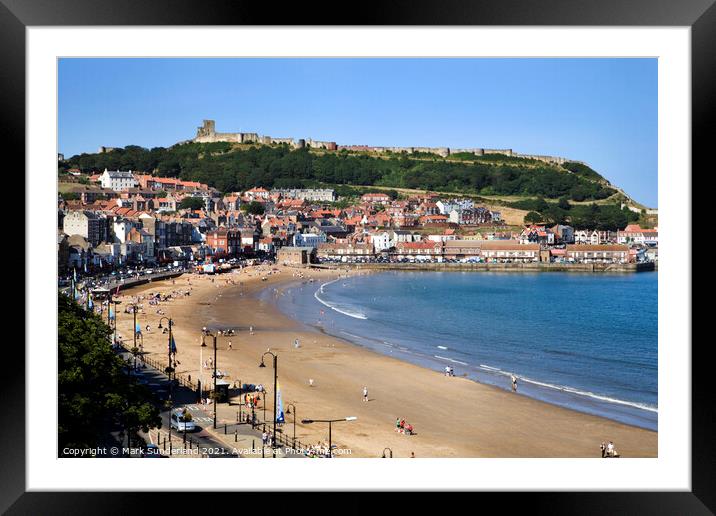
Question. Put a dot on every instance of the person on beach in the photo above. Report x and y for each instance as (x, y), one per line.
(603, 449)
(514, 383)
(310, 382)
(611, 452)
(230, 348)
(397, 424)
(365, 393)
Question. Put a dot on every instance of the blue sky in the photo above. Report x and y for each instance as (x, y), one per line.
(601, 111)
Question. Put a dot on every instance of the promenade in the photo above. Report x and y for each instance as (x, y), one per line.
(453, 417)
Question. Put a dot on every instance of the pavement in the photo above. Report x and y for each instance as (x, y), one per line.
(229, 439)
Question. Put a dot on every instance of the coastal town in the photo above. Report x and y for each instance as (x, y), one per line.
(157, 246)
(118, 218)
(358, 258)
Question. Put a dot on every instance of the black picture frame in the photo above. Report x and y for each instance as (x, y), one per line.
(700, 15)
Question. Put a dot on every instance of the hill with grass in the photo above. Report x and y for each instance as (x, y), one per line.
(236, 167)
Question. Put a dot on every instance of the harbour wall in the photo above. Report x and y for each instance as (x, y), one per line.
(509, 267)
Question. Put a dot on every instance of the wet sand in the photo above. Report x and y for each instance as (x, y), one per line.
(452, 417)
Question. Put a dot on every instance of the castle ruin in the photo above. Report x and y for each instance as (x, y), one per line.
(206, 133)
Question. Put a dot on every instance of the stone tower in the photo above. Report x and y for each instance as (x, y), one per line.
(208, 129)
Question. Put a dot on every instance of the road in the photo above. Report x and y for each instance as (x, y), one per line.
(199, 442)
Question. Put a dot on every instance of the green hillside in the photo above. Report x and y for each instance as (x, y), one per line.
(232, 167)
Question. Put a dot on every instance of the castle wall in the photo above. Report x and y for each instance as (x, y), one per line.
(206, 133)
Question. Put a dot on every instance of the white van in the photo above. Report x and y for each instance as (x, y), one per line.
(180, 423)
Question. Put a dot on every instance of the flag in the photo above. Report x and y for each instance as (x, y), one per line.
(138, 329)
(85, 267)
(111, 313)
(117, 293)
(279, 405)
(74, 273)
(90, 303)
(172, 345)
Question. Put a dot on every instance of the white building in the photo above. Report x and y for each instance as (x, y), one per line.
(308, 239)
(381, 240)
(118, 180)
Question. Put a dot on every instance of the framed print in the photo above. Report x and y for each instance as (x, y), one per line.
(431, 236)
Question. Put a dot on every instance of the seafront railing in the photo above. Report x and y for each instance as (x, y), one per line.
(251, 417)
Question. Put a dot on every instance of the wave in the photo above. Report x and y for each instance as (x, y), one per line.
(572, 390)
(450, 360)
(344, 311)
(443, 347)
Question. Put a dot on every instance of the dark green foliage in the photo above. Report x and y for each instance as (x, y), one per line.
(235, 169)
(253, 208)
(533, 217)
(583, 216)
(581, 170)
(192, 203)
(94, 394)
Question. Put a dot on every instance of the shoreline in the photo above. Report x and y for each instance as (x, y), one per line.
(622, 411)
(453, 417)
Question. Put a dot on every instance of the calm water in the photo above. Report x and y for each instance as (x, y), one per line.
(588, 342)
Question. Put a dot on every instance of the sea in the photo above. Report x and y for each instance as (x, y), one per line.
(587, 342)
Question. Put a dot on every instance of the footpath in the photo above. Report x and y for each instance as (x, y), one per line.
(234, 435)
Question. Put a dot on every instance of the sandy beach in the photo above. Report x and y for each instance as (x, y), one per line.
(452, 417)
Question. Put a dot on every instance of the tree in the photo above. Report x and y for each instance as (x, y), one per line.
(533, 217)
(192, 203)
(253, 208)
(94, 394)
(230, 167)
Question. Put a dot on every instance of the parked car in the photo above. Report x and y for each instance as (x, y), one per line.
(182, 421)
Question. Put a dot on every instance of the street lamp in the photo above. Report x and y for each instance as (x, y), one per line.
(169, 346)
(275, 385)
(209, 334)
(134, 328)
(288, 411)
(330, 422)
(201, 365)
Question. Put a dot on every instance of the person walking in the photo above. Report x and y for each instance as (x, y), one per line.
(230, 348)
(365, 393)
(603, 448)
(514, 383)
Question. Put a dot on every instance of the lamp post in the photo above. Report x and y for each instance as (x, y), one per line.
(134, 328)
(201, 367)
(169, 347)
(288, 411)
(209, 334)
(330, 435)
(275, 385)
